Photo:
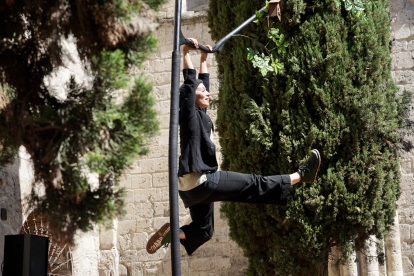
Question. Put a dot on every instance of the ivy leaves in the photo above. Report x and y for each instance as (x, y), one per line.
(266, 61)
(357, 7)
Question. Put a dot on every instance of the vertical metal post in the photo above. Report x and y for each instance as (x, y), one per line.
(173, 144)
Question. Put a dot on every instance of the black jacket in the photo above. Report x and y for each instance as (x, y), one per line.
(198, 152)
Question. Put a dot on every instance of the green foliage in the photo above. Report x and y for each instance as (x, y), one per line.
(266, 62)
(334, 93)
(81, 145)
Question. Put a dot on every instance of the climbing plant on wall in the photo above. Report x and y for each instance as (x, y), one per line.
(334, 93)
(91, 132)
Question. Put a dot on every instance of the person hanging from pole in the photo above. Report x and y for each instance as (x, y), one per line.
(200, 184)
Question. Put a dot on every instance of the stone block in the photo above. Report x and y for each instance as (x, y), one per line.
(107, 262)
(136, 269)
(209, 250)
(166, 267)
(406, 248)
(107, 239)
(398, 46)
(222, 263)
(397, 5)
(181, 208)
(141, 195)
(201, 264)
(158, 66)
(140, 240)
(239, 261)
(407, 182)
(161, 164)
(408, 265)
(163, 138)
(129, 196)
(125, 181)
(141, 181)
(158, 151)
(144, 225)
(162, 78)
(410, 44)
(160, 179)
(402, 201)
(161, 209)
(404, 60)
(126, 226)
(165, 107)
(221, 234)
(122, 270)
(162, 93)
(159, 194)
(406, 215)
(409, 88)
(232, 249)
(131, 211)
(401, 31)
(184, 220)
(406, 15)
(406, 76)
(164, 121)
(158, 222)
(124, 242)
(153, 268)
(144, 210)
(128, 256)
(143, 255)
(147, 166)
(412, 232)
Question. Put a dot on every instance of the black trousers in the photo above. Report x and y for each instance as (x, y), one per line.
(235, 187)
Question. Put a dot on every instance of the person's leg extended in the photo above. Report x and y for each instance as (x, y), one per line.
(251, 188)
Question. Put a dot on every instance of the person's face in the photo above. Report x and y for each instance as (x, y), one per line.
(202, 97)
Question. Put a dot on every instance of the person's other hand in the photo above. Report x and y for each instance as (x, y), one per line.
(187, 48)
(203, 54)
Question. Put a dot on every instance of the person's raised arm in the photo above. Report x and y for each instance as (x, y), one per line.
(187, 98)
(186, 54)
(203, 61)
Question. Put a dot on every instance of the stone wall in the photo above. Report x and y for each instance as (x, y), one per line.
(402, 18)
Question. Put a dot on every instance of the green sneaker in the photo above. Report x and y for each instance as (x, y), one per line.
(309, 169)
(160, 238)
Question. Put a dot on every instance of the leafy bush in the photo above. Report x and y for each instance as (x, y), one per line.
(334, 93)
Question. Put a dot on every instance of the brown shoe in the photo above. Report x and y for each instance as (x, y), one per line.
(161, 237)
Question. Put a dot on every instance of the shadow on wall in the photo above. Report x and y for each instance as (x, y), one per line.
(10, 199)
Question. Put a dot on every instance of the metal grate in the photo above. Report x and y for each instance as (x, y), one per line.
(60, 258)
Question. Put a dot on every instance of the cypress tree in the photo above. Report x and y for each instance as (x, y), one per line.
(335, 93)
(92, 130)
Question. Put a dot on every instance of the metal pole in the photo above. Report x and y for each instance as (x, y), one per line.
(173, 143)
